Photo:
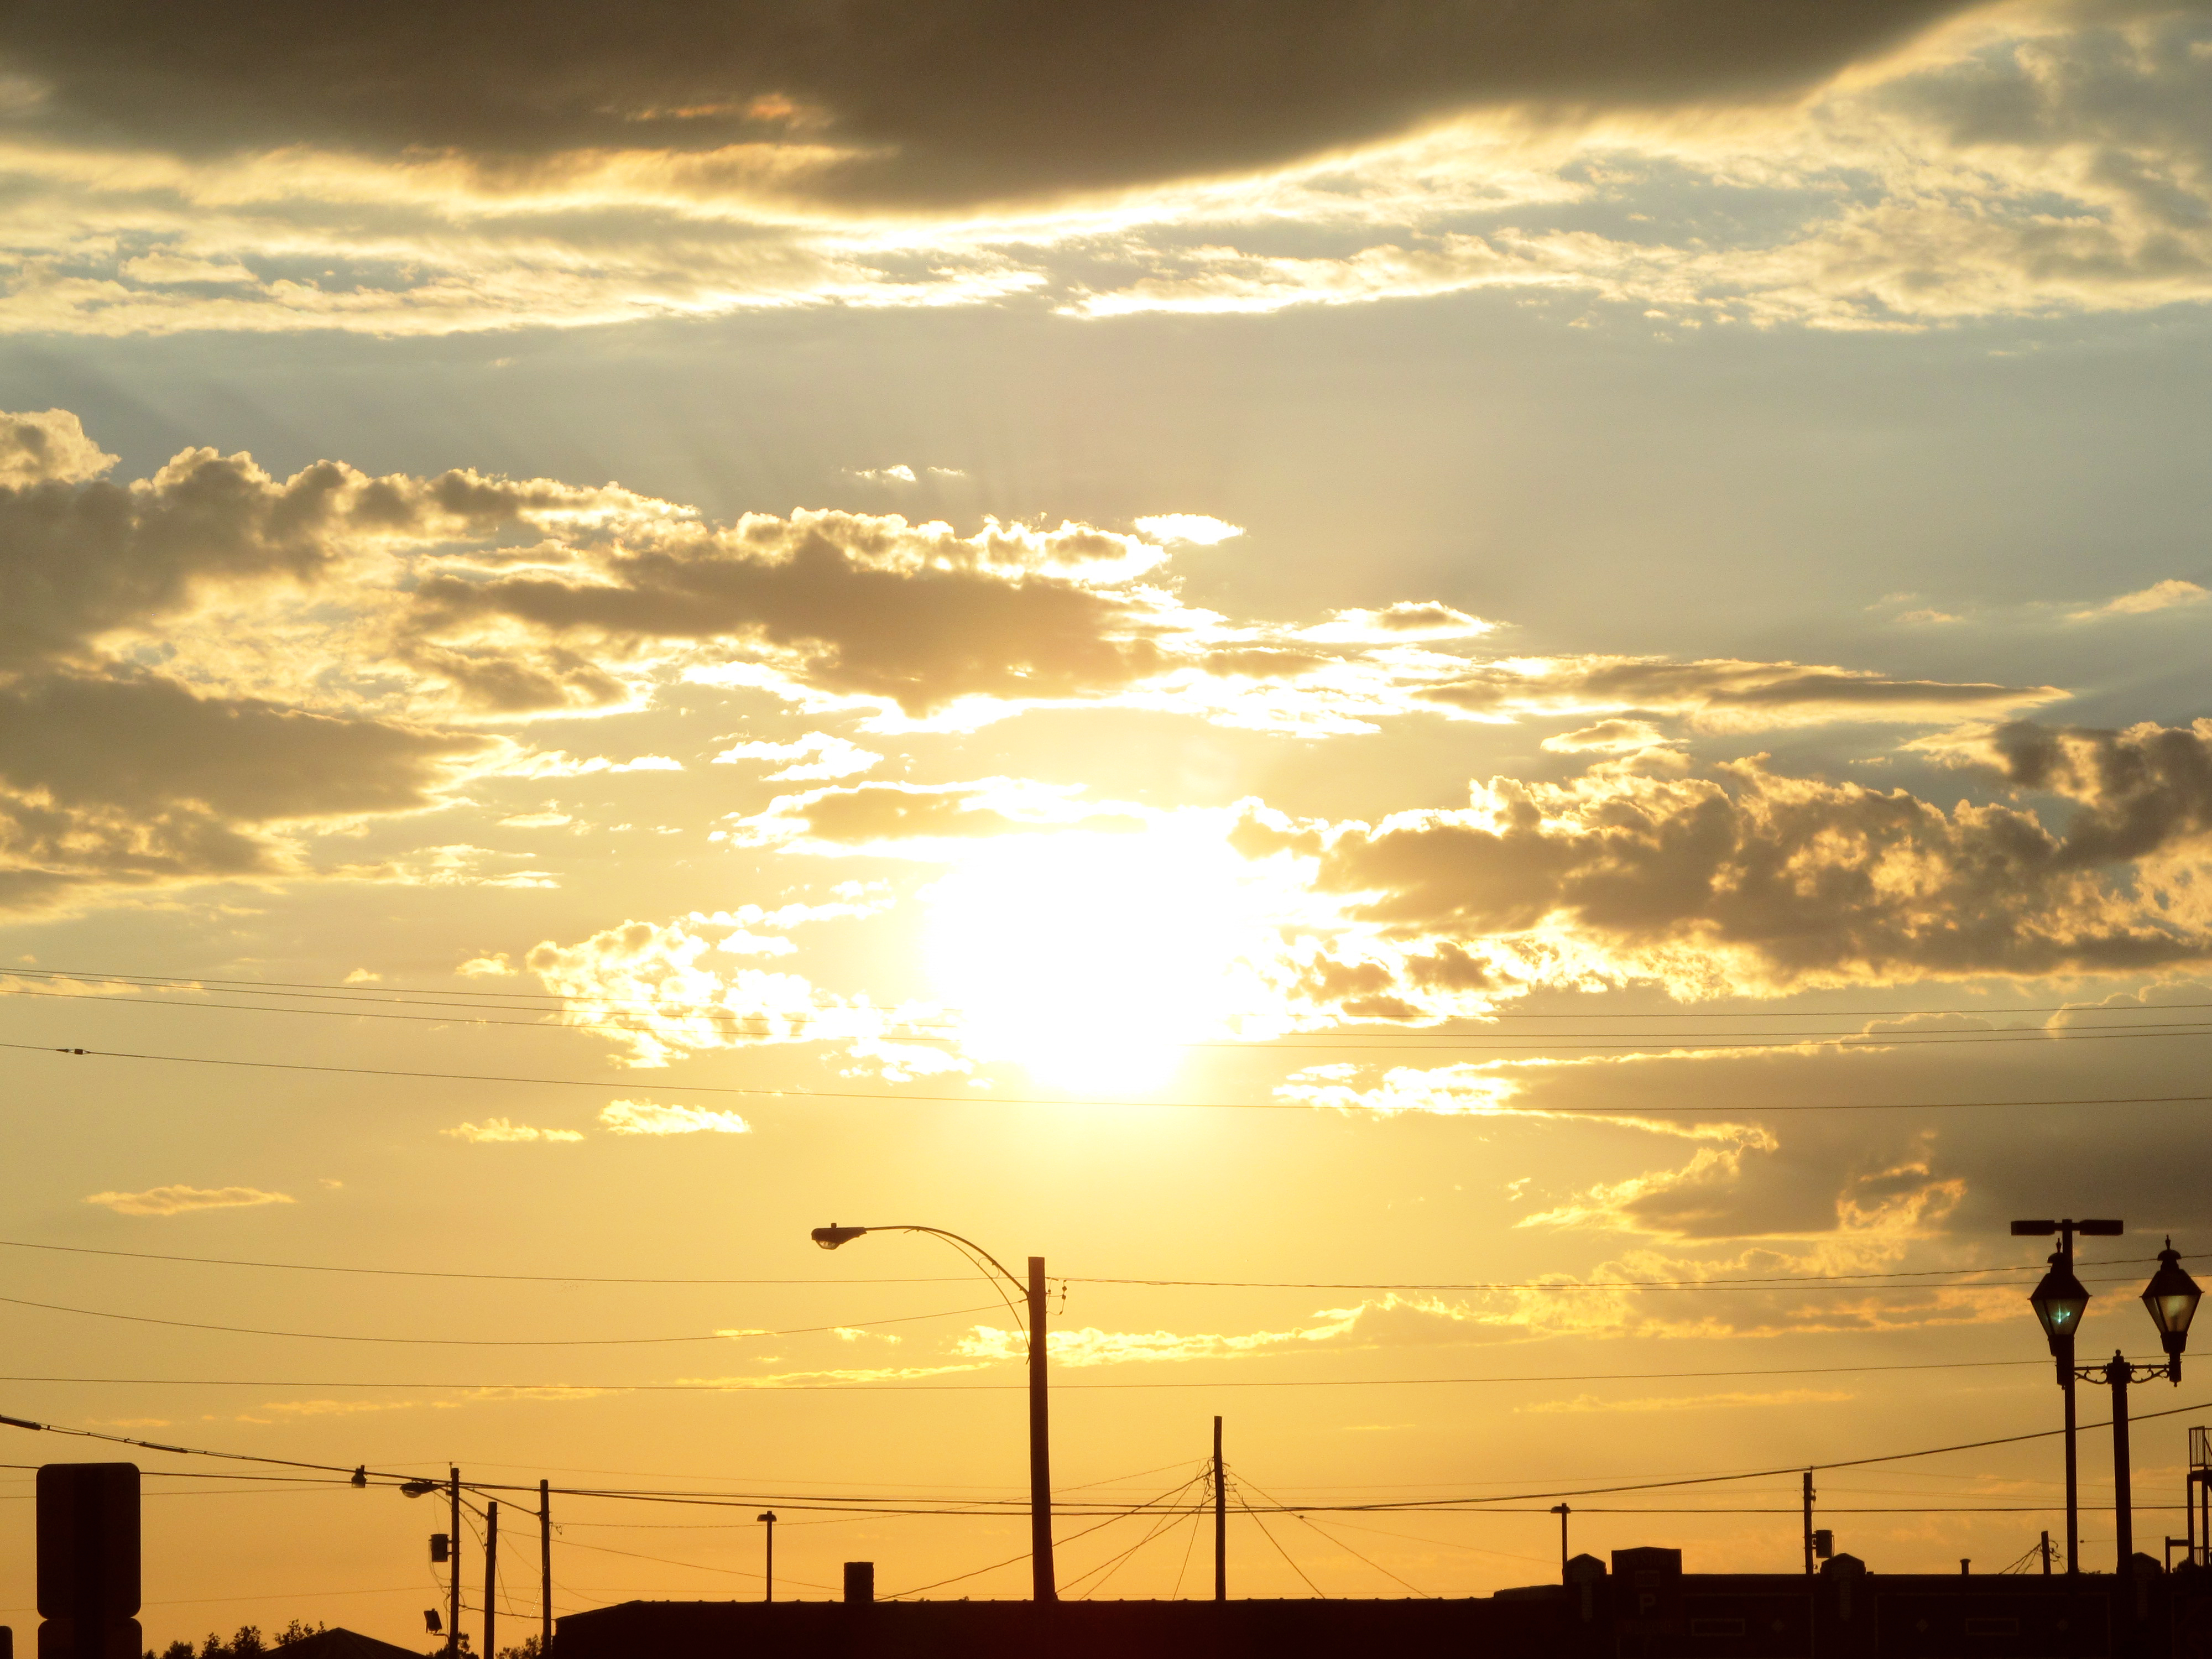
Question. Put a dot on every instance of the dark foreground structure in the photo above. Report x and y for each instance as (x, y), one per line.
(1644, 1607)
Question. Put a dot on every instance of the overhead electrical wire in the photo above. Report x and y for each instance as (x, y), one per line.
(1462, 1505)
(776, 1026)
(770, 1385)
(1618, 1113)
(491, 1342)
(560, 1000)
(1762, 1281)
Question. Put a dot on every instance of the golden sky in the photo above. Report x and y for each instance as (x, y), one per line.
(1377, 674)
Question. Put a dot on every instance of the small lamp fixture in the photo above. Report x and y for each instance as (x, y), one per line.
(831, 1236)
(360, 1475)
(2059, 1303)
(2172, 1295)
(418, 1488)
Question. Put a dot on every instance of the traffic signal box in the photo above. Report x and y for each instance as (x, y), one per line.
(88, 1561)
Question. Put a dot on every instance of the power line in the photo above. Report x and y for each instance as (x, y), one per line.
(725, 1020)
(772, 1385)
(1759, 1281)
(429, 1273)
(490, 1342)
(1613, 1113)
(275, 985)
(1481, 1505)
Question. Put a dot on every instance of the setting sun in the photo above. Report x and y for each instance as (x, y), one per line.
(1089, 959)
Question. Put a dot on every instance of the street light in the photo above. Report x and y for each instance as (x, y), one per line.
(766, 1518)
(2171, 1299)
(2060, 1301)
(1044, 1587)
(2172, 1295)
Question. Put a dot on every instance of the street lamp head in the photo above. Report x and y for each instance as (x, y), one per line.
(768, 1515)
(831, 1236)
(2172, 1295)
(418, 1488)
(2059, 1303)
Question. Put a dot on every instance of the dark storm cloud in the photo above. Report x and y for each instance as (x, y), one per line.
(953, 100)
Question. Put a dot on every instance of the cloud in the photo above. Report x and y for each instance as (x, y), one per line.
(558, 764)
(178, 1200)
(1587, 1402)
(817, 755)
(1194, 528)
(1388, 1321)
(907, 819)
(639, 1117)
(48, 445)
(871, 103)
(1613, 737)
(650, 987)
(1756, 882)
(886, 475)
(203, 671)
(2159, 596)
(498, 1131)
(1897, 165)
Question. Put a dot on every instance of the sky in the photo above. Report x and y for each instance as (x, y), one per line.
(1376, 675)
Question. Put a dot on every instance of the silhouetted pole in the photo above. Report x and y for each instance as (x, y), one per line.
(1808, 1523)
(545, 1568)
(453, 1564)
(2124, 1509)
(766, 1518)
(1045, 1589)
(491, 1577)
(2073, 1489)
(1220, 1522)
(1562, 1511)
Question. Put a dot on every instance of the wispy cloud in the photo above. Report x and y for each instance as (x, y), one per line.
(2159, 596)
(499, 1130)
(181, 1200)
(640, 1117)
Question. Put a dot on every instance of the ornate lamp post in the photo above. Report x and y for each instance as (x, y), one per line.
(2060, 1301)
(1043, 1586)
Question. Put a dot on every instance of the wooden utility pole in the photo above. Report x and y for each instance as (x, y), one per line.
(544, 1570)
(1562, 1511)
(453, 1563)
(1808, 1523)
(491, 1579)
(1220, 1520)
(1043, 1585)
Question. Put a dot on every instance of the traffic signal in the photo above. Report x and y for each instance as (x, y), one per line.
(1824, 1543)
(88, 1561)
(441, 1547)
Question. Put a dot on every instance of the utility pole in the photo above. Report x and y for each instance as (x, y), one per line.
(2044, 1546)
(453, 1563)
(491, 1578)
(766, 1518)
(545, 1568)
(1220, 1520)
(2119, 1374)
(1808, 1523)
(1562, 1511)
(1043, 1586)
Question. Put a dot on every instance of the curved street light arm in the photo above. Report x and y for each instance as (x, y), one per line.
(833, 1237)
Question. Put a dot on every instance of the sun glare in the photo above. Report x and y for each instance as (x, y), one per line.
(1089, 959)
